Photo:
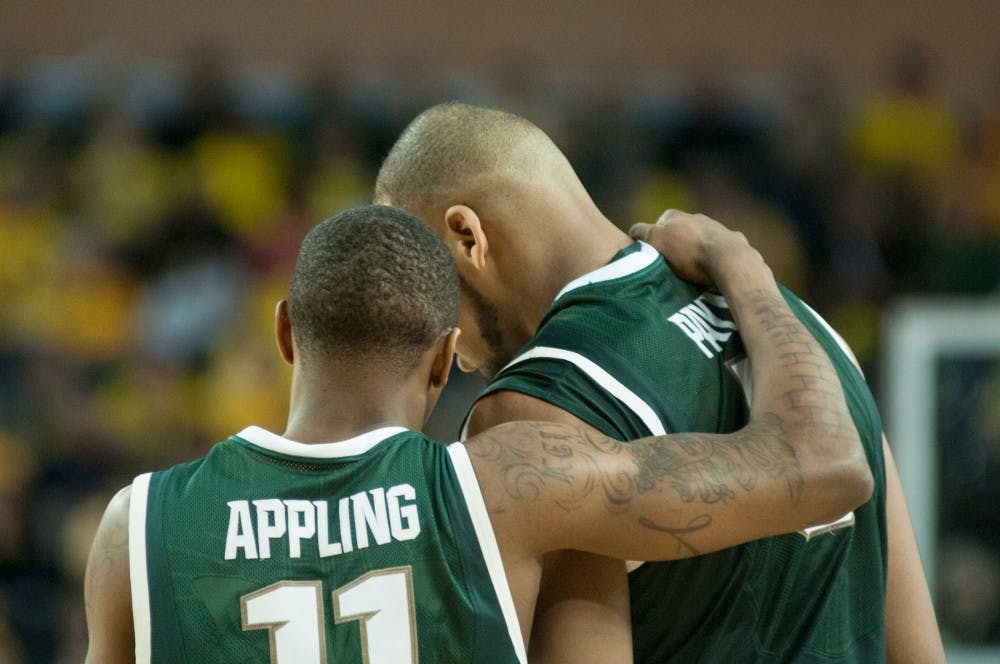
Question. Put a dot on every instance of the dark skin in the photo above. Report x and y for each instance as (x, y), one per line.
(551, 486)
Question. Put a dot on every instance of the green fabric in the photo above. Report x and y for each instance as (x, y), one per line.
(195, 593)
(778, 599)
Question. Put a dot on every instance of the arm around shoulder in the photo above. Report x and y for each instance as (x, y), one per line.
(798, 407)
(794, 385)
(798, 462)
(107, 593)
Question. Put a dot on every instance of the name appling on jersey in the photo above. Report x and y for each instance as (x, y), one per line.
(702, 325)
(377, 516)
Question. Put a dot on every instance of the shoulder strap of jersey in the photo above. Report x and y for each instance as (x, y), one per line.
(630, 260)
(628, 398)
(487, 543)
(139, 579)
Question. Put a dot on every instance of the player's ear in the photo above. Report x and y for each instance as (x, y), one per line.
(440, 368)
(464, 230)
(283, 332)
(444, 358)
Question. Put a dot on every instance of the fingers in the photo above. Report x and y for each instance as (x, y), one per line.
(670, 215)
(640, 231)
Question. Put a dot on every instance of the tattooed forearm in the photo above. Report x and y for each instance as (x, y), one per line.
(711, 468)
(804, 386)
(799, 428)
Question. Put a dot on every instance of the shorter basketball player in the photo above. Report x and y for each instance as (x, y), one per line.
(388, 547)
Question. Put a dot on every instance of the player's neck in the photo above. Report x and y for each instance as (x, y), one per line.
(595, 241)
(576, 245)
(338, 404)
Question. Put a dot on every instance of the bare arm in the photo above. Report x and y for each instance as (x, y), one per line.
(107, 594)
(911, 629)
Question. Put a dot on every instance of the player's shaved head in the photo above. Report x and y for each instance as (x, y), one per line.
(372, 283)
(456, 152)
(499, 193)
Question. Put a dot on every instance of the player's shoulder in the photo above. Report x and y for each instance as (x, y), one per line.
(117, 512)
(112, 531)
(119, 504)
(505, 406)
(107, 595)
(593, 316)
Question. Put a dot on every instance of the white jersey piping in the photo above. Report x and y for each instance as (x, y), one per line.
(487, 543)
(139, 580)
(350, 447)
(607, 382)
(616, 269)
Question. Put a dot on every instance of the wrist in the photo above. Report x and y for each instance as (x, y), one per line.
(736, 264)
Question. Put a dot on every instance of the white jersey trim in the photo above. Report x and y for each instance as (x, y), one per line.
(345, 448)
(139, 580)
(622, 267)
(607, 382)
(616, 269)
(488, 543)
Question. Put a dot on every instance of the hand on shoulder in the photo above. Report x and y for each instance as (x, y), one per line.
(698, 248)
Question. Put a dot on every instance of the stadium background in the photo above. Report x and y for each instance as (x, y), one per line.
(160, 161)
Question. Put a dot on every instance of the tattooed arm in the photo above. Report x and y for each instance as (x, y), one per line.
(798, 462)
(680, 495)
(107, 595)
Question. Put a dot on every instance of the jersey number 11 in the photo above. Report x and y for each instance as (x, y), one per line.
(292, 613)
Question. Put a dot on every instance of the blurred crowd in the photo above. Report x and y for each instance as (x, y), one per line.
(150, 214)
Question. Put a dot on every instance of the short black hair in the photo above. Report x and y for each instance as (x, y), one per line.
(372, 283)
(444, 148)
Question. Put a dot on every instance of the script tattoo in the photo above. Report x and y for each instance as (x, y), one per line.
(698, 467)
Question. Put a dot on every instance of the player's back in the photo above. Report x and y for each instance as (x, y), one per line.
(634, 351)
(267, 550)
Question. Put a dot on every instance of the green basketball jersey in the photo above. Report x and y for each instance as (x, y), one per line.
(377, 549)
(633, 350)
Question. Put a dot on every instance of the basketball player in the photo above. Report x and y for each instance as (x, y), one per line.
(576, 323)
(383, 547)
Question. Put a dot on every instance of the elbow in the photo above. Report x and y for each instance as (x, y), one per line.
(849, 478)
(834, 492)
(859, 481)
(838, 479)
